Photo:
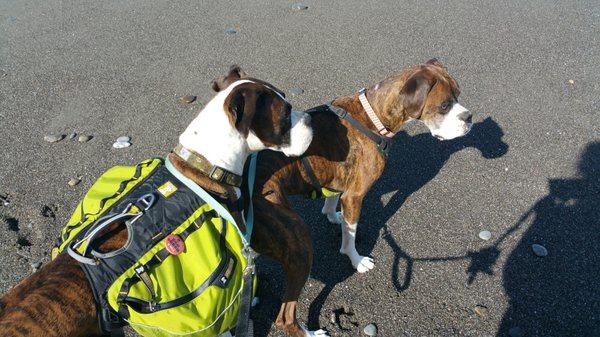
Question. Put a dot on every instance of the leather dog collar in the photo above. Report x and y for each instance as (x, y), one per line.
(371, 113)
(202, 164)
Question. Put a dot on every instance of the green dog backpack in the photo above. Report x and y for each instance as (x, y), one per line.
(185, 266)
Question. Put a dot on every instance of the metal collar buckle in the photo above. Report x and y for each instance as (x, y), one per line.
(217, 174)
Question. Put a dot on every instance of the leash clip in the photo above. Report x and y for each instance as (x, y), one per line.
(384, 147)
(250, 255)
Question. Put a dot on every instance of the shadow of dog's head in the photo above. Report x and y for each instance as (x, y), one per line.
(487, 138)
(260, 112)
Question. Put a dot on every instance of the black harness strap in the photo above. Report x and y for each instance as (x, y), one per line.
(383, 143)
(311, 173)
(111, 325)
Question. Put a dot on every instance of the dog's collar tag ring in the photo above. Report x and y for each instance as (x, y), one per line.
(362, 96)
(174, 244)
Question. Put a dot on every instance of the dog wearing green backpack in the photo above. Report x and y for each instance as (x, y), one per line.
(164, 246)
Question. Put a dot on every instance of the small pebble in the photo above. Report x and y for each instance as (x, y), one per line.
(485, 235)
(74, 181)
(72, 136)
(53, 138)
(571, 82)
(296, 91)
(4, 200)
(36, 265)
(124, 139)
(121, 145)
(230, 31)
(539, 250)
(480, 310)
(299, 6)
(332, 318)
(370, 330)
(84, 138)
(515, 332)
(187, 99)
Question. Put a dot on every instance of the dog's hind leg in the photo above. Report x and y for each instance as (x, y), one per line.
(280, 233)
(56, 301)
(350, 213)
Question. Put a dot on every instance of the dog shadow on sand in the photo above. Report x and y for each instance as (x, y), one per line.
(420, 158)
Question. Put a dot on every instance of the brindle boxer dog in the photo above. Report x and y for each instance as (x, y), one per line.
(250, 115)
(343, 159)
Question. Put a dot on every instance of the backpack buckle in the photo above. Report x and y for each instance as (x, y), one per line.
(146, 201)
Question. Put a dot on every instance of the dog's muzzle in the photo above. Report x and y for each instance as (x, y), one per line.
(300, 134)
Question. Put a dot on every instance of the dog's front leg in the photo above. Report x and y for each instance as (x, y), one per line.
(329, 210)
(349, 222)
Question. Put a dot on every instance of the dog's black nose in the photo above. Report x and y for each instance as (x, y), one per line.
(466, 116)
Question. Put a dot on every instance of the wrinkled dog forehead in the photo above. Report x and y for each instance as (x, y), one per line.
(236, 73)
(255, 108)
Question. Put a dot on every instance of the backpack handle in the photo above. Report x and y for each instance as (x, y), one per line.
(133, 212)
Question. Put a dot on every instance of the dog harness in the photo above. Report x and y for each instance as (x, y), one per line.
(382, 140)
(186, 268)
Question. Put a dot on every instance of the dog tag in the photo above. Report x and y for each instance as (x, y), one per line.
(174, 244)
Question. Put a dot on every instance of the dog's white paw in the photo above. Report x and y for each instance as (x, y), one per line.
(364, 264)
(335, 218)
(318, 333)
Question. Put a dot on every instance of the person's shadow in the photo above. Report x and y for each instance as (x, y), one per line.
(412, 163)
(558, 295)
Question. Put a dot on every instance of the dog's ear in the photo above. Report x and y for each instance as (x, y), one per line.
(235, 73)
(414, 93)
(240, 106)
(435, 62)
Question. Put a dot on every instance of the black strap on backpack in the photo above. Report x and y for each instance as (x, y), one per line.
(111, 325)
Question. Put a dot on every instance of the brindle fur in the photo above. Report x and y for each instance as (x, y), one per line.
(343, 159)
(57, 300)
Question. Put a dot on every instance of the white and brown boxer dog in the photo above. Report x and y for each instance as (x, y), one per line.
(250, 115)
(346, 160)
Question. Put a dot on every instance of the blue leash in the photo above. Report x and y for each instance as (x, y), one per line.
(251, 176)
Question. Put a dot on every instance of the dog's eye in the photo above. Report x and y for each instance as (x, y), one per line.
(445, 106)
